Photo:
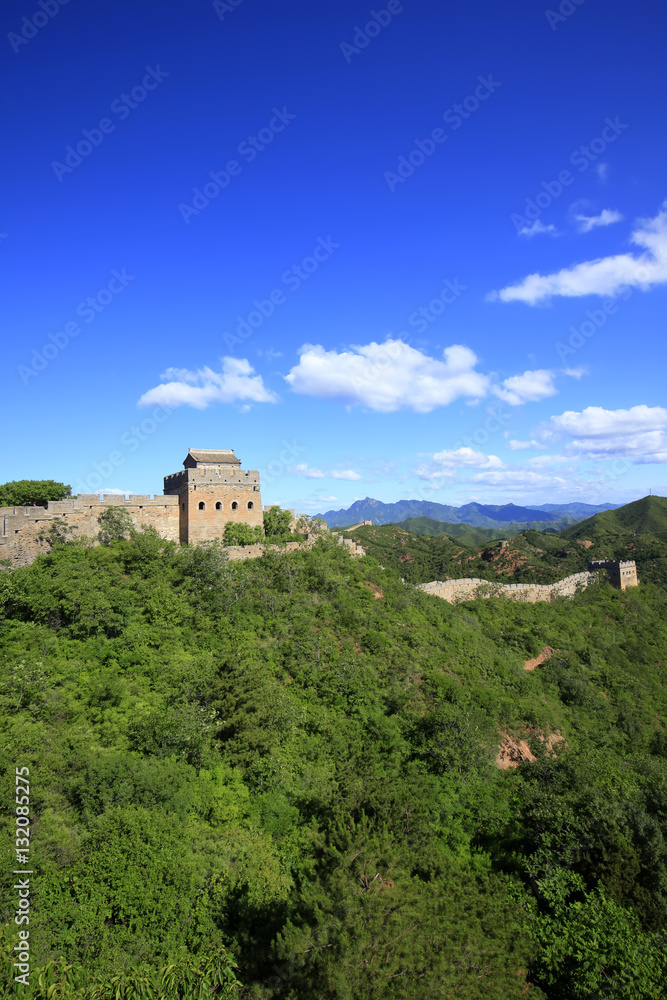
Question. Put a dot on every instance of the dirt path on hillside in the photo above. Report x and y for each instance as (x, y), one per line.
(542, 657)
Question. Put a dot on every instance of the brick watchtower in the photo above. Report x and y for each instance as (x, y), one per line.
(213, 489)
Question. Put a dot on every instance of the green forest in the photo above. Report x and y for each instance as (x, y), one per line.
(277, 779)
(636, 531)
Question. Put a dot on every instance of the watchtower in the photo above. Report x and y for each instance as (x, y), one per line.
(213, 489)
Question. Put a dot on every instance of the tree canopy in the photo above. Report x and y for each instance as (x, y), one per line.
(28, 492)
(277, 780)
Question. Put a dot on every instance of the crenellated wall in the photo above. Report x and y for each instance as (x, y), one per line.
(21, 527)
(471, 589)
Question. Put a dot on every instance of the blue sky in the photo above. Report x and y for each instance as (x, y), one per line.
(409, 250)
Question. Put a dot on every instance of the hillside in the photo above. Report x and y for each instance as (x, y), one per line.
(647, 516)
(302, 773)
(463, 533)
(530, 556)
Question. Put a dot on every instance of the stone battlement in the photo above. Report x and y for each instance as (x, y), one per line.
(472, 588)
(22, 528)
(196, 505)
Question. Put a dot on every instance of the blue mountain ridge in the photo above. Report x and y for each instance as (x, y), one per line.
(476, 514)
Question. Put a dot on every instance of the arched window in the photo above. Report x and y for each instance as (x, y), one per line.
(218, 506)
(202, 505)
(250, 505)
(235, 506)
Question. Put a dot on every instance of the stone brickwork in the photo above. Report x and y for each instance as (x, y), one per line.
(212, 489)
(21, 527)
(196, 505)
(621, 574)
(471, 589)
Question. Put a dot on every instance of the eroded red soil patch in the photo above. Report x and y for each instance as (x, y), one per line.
(542, 657)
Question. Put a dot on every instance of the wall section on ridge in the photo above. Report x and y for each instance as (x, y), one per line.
(21, 527)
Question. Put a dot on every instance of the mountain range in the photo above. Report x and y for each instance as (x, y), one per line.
(479, 515)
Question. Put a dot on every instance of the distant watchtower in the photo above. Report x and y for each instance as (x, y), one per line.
(213, 489)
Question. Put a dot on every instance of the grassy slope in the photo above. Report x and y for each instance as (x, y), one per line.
(647, 516)
(463, 533)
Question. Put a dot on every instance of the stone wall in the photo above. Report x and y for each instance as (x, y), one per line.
(211, 495)
(471, 589)
(20, 527)
(622, 572)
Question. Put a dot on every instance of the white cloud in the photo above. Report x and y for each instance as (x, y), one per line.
(527, 388)
(606, 217)
(446, 463)
(639, 433)
(348, 474)
(515, 445)
(537, 227)
(604, 276)
(520, 478)
(203, 387)
(467, 458)
(602, 170)
(303, 469)
(270, 354)
(595, 421)
(388, 377)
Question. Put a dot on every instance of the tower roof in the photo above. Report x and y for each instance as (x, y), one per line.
(196, 456)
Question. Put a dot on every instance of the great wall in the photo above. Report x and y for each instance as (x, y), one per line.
(211, 490)
(196, 505)
(620, 573)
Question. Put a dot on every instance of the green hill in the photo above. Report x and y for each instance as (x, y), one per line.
(647, 516)
(529, 557)
(463, 533)
(343, 787)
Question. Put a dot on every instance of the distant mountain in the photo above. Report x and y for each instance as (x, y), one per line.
(641, 517)
(576, 510)
(466, 534)
(479, 515)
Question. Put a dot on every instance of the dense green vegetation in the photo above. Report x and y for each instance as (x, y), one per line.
(530, 556)
(282, 770)
(466, 534)
(26, 492)
(642, 517)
